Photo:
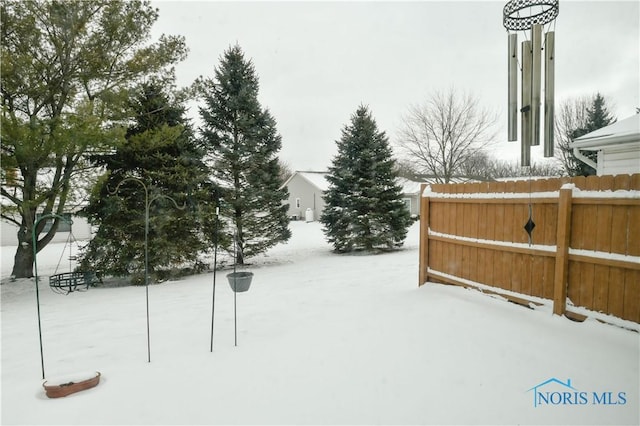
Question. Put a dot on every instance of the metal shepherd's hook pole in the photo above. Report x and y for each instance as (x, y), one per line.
(215, 261)
(35, 265)
(147, 203)
(235, 283)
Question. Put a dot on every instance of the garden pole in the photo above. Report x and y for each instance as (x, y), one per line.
(147, 204)
(35, 265)
(235, 260)
(215, 260)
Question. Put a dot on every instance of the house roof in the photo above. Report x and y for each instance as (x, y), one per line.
(620, 132)
(409, 186)
(318, 179)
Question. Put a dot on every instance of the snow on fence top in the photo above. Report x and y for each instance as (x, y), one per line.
(617, 186)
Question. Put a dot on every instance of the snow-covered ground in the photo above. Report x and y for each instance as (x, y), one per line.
(322, 339)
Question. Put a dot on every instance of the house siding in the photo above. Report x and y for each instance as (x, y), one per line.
(309, 195)
(80, 228)
(624, 160)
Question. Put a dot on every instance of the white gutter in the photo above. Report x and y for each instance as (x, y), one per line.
(600, 141)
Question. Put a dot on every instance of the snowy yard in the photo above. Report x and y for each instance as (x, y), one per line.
(322, 339)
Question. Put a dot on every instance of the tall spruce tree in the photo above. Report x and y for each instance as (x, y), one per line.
(597, 116)
(242, 143)
(160, 150)
(364, 208)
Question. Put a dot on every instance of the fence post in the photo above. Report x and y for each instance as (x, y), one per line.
(561, 273)
(423, 262)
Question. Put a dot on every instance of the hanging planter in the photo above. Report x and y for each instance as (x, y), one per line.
(71, 385)
(240, 281)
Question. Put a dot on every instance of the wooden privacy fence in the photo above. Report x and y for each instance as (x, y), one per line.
(584, 252)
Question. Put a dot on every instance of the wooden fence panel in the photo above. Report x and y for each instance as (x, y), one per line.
(595, 225)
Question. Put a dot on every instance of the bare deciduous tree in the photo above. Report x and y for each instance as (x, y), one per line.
(286, 171)
(571, 115)
(440, 135)
(505, 169)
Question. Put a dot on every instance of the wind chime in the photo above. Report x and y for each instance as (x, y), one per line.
(530, 17)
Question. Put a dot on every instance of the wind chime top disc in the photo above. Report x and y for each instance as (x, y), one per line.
(519, 15)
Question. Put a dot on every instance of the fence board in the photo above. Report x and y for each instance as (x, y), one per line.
(616, 292)
(499, 231)
(589, 223)
(459, 230)
(601, 288)
(634, 231)
(516, 271)
(619, 217)
(473, 233)
(483, 220)
(577, 220)
(587, 283)
(573, 283)
(509, 259)
(466, 226)
(579, 182)
(549, 270)
(433, 256)
(509, 212)
(631, 295)
(550, 221)
(481, 273)
(621, 182)
(605, 183)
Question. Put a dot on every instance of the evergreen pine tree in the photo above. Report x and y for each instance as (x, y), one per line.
(598, 116)
(364, 208)
(242, 143)
(161, 151)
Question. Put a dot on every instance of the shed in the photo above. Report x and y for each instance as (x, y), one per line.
(617, 145)
(305, 192)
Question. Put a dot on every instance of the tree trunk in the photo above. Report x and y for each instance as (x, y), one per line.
(23, 260)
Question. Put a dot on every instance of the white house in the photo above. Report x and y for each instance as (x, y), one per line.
(306, 190)
(618, 147)
(80, 228)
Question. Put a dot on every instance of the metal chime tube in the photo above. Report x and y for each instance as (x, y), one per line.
(525, 143)
(549, 83)
(512, 131)
(536, 74)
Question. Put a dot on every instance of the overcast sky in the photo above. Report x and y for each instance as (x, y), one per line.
(318, 61)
